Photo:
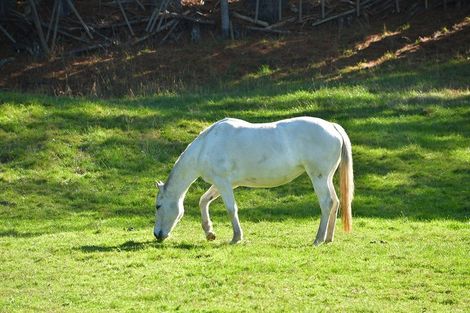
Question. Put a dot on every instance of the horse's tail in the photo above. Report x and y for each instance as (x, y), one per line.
(346, 179)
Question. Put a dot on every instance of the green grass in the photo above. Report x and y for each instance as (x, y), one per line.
(77, 199)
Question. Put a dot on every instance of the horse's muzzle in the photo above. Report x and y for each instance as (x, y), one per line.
(160, 237)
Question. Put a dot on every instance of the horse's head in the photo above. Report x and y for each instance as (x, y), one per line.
(168, 213)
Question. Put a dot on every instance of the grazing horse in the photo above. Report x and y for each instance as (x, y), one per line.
(233, 152)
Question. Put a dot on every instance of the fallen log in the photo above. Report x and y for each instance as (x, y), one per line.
(249, 19)
(169, 32)
(268, 30)
(348, 12)
(162, 28)
(334, 17)
(66, 34)
(282, 23)
(75, 52)
(6, 33)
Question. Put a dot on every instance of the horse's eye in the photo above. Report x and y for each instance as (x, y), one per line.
(158, 206)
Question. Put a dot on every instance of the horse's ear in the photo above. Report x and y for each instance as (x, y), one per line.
(159, 184)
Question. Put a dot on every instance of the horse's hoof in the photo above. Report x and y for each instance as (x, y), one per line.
(317, 242)
(235, 241)
(210, 236)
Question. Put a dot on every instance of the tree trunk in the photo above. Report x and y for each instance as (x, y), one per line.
(225, 19)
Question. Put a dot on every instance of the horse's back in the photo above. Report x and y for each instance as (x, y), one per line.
(288, 133)
(236, 123)
(271, 153)
(314, 135)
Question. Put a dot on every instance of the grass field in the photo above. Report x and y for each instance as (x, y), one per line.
(77, 202)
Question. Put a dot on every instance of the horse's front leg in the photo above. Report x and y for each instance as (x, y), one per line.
(210, 195)
(226, 191)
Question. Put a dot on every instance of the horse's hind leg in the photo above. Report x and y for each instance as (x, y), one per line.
(210, 195)
(327, 203)
(330, 233)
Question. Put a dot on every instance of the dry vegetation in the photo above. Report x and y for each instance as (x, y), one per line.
(327, 52)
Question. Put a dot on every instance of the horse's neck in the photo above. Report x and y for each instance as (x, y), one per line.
(181, 177)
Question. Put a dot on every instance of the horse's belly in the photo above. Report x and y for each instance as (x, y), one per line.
(269, 178)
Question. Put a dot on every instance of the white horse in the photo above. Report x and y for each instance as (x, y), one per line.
(233, 152)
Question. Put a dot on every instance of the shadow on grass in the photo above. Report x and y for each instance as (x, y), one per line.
(15, 234)
(144, 245)
(126, 246)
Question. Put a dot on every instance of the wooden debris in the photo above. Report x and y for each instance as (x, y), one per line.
(140, 5)
(6, 33)
(37, 23)
(152, 17)
(115, 25)
(364, 4)
(282, 23)
(66, 34)
(106, 38)
(334, 17)
(185, 16)
(54, 8)
(78, 51)
(74, 10)
(162, 28)
(146, 20)
(249, 19)
(170, 31)
(56, 24)
(268, 30)
(125, 17)
(155, 15)
(162, 17)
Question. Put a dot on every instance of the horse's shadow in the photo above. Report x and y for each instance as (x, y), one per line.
(150, 244)
(126, 246)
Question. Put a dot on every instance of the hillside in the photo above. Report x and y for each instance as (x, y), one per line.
(326, 52)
